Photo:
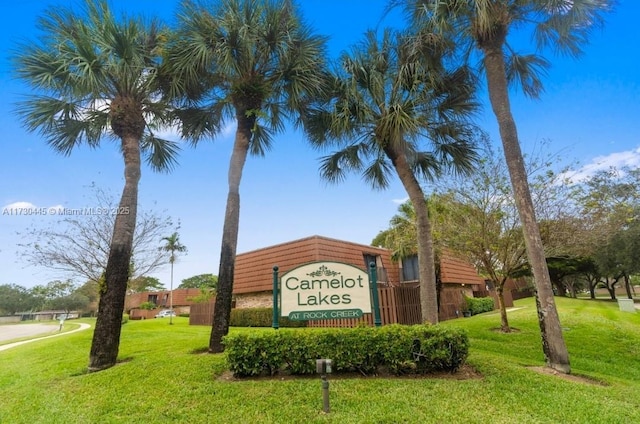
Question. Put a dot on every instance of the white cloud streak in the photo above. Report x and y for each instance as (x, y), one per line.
(629, 158)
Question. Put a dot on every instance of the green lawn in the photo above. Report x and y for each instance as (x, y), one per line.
(163, 377)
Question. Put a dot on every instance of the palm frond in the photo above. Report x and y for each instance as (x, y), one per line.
(378, 172)
(261, 140)
(197, 123)
(566, 26)
(526, 71)
(334, 167)
(161, 154)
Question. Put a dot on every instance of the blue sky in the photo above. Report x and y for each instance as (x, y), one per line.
(590, 111)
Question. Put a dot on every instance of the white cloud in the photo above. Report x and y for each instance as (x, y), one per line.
(20, 205)
(229, 129)
(173, 132)
(629, 158)
(168, 133)
(399, 201)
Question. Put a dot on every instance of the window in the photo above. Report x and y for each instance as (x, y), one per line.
(368, 259)
(410, 268)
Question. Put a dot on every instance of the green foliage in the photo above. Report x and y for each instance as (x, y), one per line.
(125, 318)
(259, 317)
(15, 298)
(366, 350)
(205, 295)
(147, 306)
(478, 305)
(71, 302)
(200, 281)
(144, 284)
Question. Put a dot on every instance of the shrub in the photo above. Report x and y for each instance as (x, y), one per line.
(478, 305)
(259, 317)
(125, 318)
(395, 348)
(147, 306)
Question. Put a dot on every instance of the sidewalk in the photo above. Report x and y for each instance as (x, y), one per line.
(10, 345)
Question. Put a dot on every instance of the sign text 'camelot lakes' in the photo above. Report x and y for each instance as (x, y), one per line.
(324, 290)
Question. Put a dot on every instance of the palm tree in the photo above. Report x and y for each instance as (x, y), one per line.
(172, 246)
(485, 25)
(390, 101)
(95, 76)
(252, 61)
(402, 236)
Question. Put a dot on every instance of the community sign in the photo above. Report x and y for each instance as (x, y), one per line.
(324, 290)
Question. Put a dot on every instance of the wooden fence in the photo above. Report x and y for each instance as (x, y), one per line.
(202, 313)
(398, 305)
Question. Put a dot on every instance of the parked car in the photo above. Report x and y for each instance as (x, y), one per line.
(165, 313)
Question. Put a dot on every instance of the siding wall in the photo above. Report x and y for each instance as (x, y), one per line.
(254, 300)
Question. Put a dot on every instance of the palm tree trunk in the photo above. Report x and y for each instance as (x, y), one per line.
(426, 256)
(171, 294)
(106, 336)
(553, 344)
(222, 307)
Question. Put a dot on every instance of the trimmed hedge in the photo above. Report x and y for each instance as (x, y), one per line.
(478, 305)
(259, 317)
(367, 350)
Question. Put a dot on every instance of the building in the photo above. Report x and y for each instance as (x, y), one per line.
(182, 301)
(253, 284)
(253, 277)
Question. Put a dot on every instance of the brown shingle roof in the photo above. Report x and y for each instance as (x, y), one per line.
(455, 270)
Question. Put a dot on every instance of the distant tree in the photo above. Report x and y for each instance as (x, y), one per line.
(253, 61)
(619, 258)
(205, 295)
(54, 289)
(96, 78)
(564, 272)
(209, 281)
(610, 212)
(478, 216)
(78, 246)
(173, 246)
(143, 284)
(91, 290)
(61, 295)
(15, 298)
(69, 303)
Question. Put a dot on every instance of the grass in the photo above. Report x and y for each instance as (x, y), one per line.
(163, 377)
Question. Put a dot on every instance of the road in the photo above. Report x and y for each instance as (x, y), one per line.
(20, 331)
